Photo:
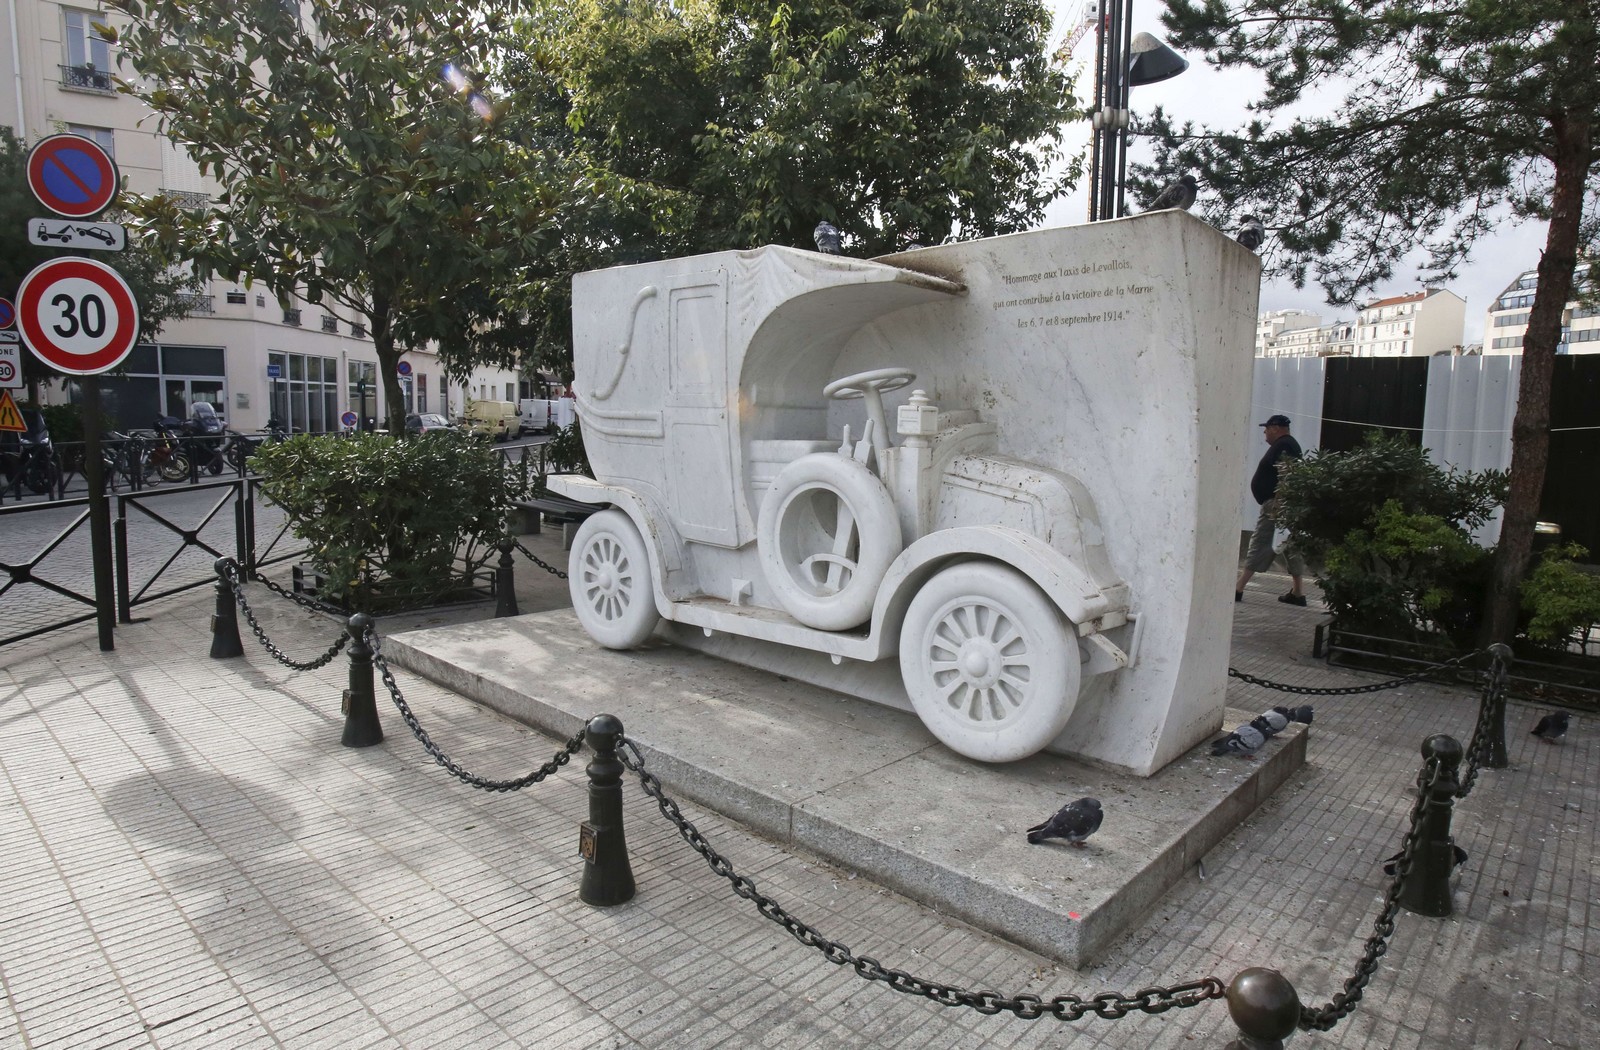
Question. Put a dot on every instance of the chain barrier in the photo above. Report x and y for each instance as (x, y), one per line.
(1109, 1005)
(1490, 708)
(300, 599)
(235, 584)
(546, 566)
(561, 758)
(1352, 690)
(1314, 1019)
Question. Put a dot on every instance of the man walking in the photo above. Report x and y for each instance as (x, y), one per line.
(1264, 487)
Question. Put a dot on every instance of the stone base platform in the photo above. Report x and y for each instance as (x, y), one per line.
(866, 787)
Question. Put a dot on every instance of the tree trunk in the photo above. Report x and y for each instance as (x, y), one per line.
(1530, 431)
(388, 361)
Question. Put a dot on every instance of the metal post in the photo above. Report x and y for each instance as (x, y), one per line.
(105, 595)
(505, 581)
(1426, 890)
(607, 878)
(1494, 754)
(360, 707)
(225, 641)
(1264, 1005)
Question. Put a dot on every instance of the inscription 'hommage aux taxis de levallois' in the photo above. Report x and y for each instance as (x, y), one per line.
(1099, 271)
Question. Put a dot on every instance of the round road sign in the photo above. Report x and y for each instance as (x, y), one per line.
(348, 419)
(8, 313)
(77, 315)
(71, 175)
(403, 368)
(8, 371)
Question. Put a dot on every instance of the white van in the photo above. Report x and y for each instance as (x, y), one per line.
(498, 420)
(538, 415)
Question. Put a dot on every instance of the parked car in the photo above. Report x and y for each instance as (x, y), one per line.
(423, 422)
(497, 420)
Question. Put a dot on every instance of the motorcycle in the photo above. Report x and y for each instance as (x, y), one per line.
(204, 438)
(30, 458)
(166, 455)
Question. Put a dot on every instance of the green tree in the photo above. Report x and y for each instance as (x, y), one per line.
(362, 164)
(161, 291)
(1453, 111)
(898, 121)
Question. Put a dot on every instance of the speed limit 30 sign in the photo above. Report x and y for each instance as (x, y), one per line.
(77, 315)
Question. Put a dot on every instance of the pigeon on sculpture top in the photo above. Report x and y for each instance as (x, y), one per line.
(1246, 740)
(1552, 727)
(828, 238)
(1296, 714)
(1252, 234)
(1180, 194)
(1074, 822)
(1270, 723)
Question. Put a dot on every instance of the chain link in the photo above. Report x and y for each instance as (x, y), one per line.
(546, 566)
(300, 599)
(561, 758)
(231, 571)
(1352, 690)
(1109, 1005)
(1341, 1005)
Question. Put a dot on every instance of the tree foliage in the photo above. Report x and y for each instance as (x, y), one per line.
(1449, 115)
(361, 162)
(160, 290)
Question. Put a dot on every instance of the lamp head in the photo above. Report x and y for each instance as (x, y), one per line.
(1150, 61)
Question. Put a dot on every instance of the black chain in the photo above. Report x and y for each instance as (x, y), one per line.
(1344, 1003)
(1352, 690)
(546, 566)
(1028, 1007)
(231, 572)
(1489, 708)
(561, 758)
(299, 599)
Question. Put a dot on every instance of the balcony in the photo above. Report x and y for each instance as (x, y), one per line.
(188, 200)
(195, 303)
(329, 323)
(359, 331)
(88, 78)
(292, 317)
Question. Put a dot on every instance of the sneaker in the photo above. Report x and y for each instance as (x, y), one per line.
(1293, 599)
(1238, 596)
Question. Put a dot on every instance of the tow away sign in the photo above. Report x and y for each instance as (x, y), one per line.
(83, 236)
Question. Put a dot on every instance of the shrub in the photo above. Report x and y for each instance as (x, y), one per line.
(385, 517)
(1559, 597)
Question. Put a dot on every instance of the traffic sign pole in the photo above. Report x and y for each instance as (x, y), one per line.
(94, 471)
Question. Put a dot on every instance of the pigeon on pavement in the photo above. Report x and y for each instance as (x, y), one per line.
(827, 237)
(1552, 727)
(1252, 234)
(1180, 194)
(1074, 822)
(1246, 740)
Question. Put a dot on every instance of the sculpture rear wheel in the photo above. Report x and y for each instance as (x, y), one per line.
(992, 667)
(608, 574)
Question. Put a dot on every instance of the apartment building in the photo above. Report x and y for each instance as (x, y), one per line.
(1507, 321)
(240, 349)
(1419, 324)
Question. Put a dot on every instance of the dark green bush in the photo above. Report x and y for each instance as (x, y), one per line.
(1559, 597)
(386, 517)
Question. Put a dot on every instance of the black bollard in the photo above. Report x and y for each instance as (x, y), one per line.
(505, 578)
(1264, 1005)
(607, 878)
(360, 707)
(225, 641)
(1427, 886)
(1494, 753)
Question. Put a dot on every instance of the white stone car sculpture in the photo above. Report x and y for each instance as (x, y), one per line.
(909, 478)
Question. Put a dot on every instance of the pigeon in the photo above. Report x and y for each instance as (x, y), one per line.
(1552, 727)
(1180, 194)
(1392, 865)
(1296, 714)
(827, 237)
(1246, 740)
(1252, 234)
(1074, 822)
(1270, 723)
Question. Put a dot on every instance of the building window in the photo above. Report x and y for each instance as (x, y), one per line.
(305, 396)
(102, 137)
(1505, 320)
(88, 54)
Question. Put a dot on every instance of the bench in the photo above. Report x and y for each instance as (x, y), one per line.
(558, 510)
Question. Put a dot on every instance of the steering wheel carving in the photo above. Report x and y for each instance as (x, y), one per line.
(871, 385)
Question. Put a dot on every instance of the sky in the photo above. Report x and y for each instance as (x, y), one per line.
(1207, 95)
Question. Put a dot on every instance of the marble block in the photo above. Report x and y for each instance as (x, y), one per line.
(992, 482)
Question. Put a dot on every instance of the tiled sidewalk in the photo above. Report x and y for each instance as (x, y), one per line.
(192, 860)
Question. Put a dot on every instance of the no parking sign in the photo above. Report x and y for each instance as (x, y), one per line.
(72, 175)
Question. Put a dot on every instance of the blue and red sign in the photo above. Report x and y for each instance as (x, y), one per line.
(72, 175)
(403, 368)
(8, 313)
(348, 419)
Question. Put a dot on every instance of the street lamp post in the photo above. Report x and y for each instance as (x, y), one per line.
(1123, 60)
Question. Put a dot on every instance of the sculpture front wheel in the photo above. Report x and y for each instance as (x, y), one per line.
(608, 574)
(992, 667)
